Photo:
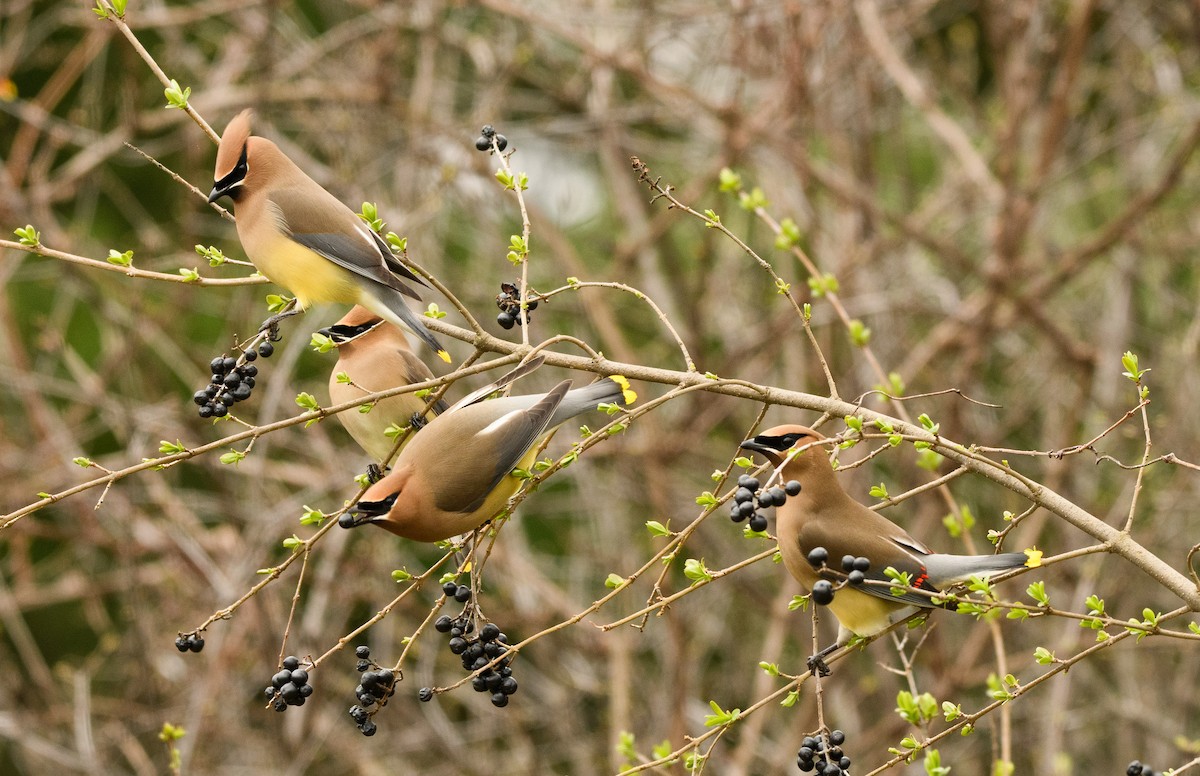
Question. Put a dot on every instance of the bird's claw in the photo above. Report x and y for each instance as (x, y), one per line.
(271, 325)
(418, 422)
(375, 473)
(817, 665)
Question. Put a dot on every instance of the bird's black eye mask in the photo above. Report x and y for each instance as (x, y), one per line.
(780, 443)
(340, 333)
(375, 508)
(230, 185)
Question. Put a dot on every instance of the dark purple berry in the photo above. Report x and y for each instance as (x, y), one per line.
(368, 728)
(822, 592)
(291, 662)
(306, 690)
(501, 142)
(818, 556)
(450, 588)
(506, 320)
(862, 564)
(508, 685)
(792, 487)
(489, 632)
(195, 643)
(462, 594)
(749, 483)
(425, 694)
(299, 677)
(362, 651)
(265, 349)
(742, 495)
(281, 678)
(848, 562)
(181, 644)
(758, 523)
(482, 143)
(443, 624)
(250, 355)
(200, 398)
(499, 700)
(837, 738)
(217, 365)
(856, 577)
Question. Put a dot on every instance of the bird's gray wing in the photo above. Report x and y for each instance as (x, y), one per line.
(324, 225)
(507, 439)
(828, 534)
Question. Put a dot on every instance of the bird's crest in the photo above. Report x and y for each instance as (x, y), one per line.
(233, 140)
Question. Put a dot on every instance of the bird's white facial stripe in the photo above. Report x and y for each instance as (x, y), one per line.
(499, 423)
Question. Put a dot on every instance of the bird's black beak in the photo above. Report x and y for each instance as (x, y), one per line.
(216, 193)
(758, 447)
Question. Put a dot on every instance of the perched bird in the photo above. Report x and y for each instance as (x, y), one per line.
(301, 237)
(375, 355)
(455, 473)
(822, 515)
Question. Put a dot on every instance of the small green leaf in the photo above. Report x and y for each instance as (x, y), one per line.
(100, 10)
(177, 97)
(120, 259)
(706, 499)
(769, 668)
(720, 716)
(28, 236)
(214, 255)
(933, 764)
(370, 214)
(312, 516)
(81, 461)
(712, 220)
(728, 181)
(825, 284)
(171, 448)
(275, 302)
(293, 542)
(307, 401)
(189, 275)
(614, 581)
(790, 699)
(879, 491)
(625, 746)
(798, 602)
(433, 311)
(951, 711)
(323, 344)
(753, 200)
(860, 335)
(928, 424)
(233, 457)
(1037, 591)
(1044, 656)
(401, 575)
(789, 235)
(397, 243)
(696, 571)
(658, 529)
(1130, 361)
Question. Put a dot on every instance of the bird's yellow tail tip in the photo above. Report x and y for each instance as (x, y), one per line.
(1035, 557)
(443, 355)
(627, 393)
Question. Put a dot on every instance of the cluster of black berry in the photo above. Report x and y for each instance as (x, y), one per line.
(232, 381)
(1136, 768)
(289, 687)
(476, 651)
(189, 643)
(484, 141)
(854, 568)
(813, 755)
(374, 687)
(749, 498)
(509, 302)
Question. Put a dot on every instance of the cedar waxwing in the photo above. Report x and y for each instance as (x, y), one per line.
(375, 355)
(823, 515)
(302, 238)
(454, 475)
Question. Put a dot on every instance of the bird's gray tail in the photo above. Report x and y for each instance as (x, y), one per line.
(950, 569)
(388, 300)
(610, 390)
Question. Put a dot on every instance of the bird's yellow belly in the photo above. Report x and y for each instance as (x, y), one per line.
(305, 273)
